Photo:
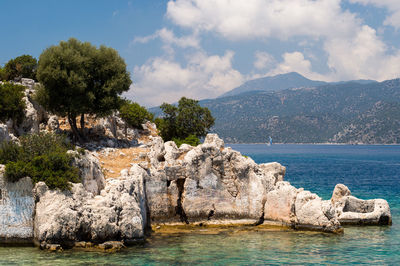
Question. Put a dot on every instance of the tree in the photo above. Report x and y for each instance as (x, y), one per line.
(133, 114)
(23, 66)
(77, 79)
(2, 74)
(11, 103)
(184, 120)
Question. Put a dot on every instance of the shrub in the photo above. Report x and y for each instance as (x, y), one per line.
(191, 140)
(43, 157)
(134, 115)
(9, 152)
(11, 103)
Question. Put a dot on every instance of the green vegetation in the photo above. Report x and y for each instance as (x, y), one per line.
(3, 76)
(11, 104)
(186, 119)
(43, 157)
(191, 140)
(23, 66)
(134, 115)
(77, 79)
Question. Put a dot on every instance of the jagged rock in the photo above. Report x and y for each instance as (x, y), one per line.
(171, 152)
(210, 183)
(52, 123)
(90, 171)
(118, 213)
(351, 210)
(157, 151)
(313, 213)
(16, 210)
(34, 114)
(280, 204)
(5, 134)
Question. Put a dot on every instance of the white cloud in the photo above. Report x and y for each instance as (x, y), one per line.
(263, 18)
(393, 6)
(354, 50)
(295, 62)
(168, 38)
(263, 60)
(164, 80)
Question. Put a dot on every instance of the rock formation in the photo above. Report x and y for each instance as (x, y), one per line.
(118, 213)
(16, 210)
(351, 210)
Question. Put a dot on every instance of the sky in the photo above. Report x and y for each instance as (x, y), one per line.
(204, 48)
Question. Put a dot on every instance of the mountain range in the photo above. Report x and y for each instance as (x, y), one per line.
(293, 109)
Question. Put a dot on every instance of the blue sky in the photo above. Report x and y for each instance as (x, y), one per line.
(203, 48)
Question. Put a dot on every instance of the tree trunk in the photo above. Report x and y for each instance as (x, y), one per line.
(83, 124)
(75, 131)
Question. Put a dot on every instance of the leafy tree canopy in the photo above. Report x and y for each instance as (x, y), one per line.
(11, 103)
(134, 114)
(77, 79)
(23, 66)
(188, 118)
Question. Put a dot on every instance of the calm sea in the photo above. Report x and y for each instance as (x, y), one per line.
(369, 172)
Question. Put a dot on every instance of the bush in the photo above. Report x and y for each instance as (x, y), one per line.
(191, 140)
(42, 157)
(11, 103)
(134, 115)
(9, 152)
(23, 66)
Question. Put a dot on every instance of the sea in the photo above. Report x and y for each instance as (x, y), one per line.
(370, 171)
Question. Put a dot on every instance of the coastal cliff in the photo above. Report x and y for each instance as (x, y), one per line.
(157, 184)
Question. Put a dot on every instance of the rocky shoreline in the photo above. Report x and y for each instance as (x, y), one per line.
(208, 185)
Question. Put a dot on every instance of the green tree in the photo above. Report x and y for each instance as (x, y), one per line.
(2, 74)
(77, 79)
(23, 66)
(11, 103)
(133, 114)
(184, 120)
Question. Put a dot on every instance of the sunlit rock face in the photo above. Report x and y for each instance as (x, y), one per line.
(351, 210)
(16, 210)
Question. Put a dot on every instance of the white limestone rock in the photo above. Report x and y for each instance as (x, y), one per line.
(16, 210)
(90, 171)
(312, 213)
(5, 134)
(351, 210)
(280, 204)
(118, 213)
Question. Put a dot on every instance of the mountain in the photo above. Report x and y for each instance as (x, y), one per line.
(349, 112)
(283, 82)
(275, 83)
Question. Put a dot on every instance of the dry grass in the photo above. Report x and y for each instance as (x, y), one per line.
(114, 162)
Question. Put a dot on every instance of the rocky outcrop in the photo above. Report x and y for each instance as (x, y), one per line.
(353, 211)
(118, 213)
(299, 209)
(90, 171)
(5, 134)
(213, 184)
(16, 210)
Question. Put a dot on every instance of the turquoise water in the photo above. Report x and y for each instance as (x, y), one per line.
(369, 172)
